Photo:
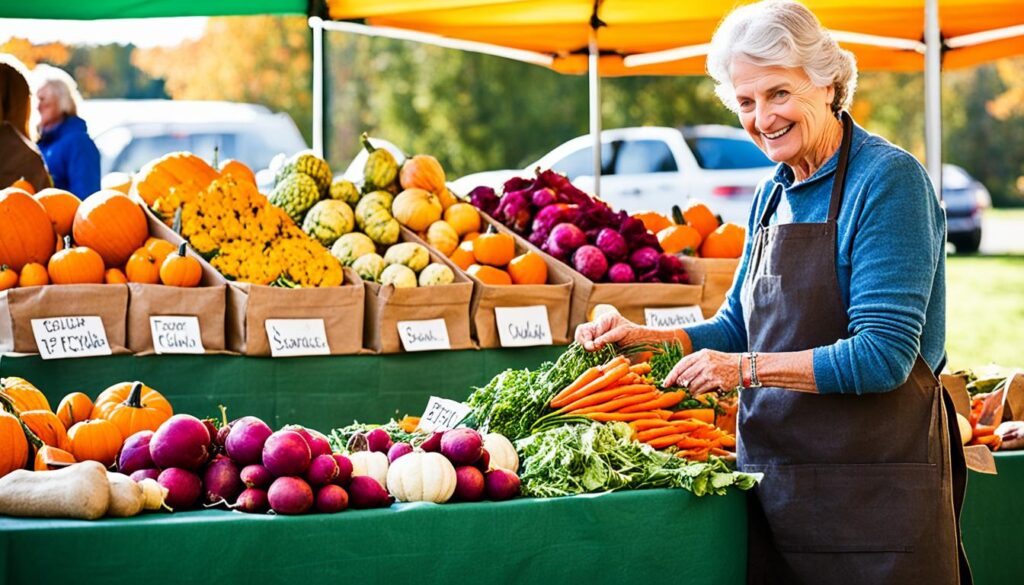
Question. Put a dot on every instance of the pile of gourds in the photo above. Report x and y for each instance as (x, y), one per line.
(695, 232)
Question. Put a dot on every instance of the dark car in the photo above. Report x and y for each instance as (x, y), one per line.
(964, 199)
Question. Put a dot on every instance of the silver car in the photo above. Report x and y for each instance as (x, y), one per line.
(964, 199)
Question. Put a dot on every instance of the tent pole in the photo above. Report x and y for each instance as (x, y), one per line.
(933, 94)
(595, 106)
(318, 85)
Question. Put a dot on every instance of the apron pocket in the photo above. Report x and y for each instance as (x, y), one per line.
(883, 507)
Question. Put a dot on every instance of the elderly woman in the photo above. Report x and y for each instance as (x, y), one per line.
(21, 159)
(834, 328)
(70, 154)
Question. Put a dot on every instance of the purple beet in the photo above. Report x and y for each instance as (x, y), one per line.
(142, 474)
(501, 484)
(183, 487)
(318, 443)
(135, 453)
(365, 492)
(484, 462)
(462, 446)
(433, 443)
(397, 450)
(469, 484)
(344, 469)
(181, 441)
(221, 481)
(290, 495)
(256, 476)
(322, 470)
(245, 441)
(286, 453)
(253, 501)
(331, 499)
(377, 440)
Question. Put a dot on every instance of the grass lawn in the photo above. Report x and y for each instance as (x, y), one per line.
(985, 310)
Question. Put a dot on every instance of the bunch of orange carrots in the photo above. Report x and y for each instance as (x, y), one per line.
(695, 439)
(616, 391)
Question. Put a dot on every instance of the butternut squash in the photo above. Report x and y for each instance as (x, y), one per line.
(78, 491)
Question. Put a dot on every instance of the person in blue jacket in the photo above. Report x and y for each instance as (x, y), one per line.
(71, 156)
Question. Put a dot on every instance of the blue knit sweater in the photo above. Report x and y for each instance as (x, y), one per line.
(891, 264)
(71, 157)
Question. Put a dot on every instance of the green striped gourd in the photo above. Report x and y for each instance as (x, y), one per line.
(342, 190)
(328, 220)
(307, 163)
(295, 194)
(381, 168)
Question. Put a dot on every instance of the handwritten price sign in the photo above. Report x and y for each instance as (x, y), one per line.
(70, 337)
(442, 414)
(424, 335)
(674, 317)
(297, 337)
(523, 326)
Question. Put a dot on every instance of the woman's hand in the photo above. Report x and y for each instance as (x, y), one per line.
(705, 371)
(609, 328)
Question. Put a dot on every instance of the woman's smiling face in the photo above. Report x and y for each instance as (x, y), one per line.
(783, 111)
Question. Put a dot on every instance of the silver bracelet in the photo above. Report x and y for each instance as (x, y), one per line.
(754, 381)
(739, 367)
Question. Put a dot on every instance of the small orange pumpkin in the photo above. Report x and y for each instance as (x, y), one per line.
(8, 277)
(494, 249)
(528, 268)
(238, 170)
(678, 238)
(653, 221)
(181, 269)
(74, 408)
(115, 276)
(98, 440)
(422, 172)
(698, 216)
(50, 458)
(463, 255)
(463, 217)
(725, 242)
(23, 395)
(142, 267)
(470, 236)
(112, 224)
(490, 275)
(132, 416)
(33, 274)
(118, 393)
(47, 427)
(26, 234)
(24, 185)
(13, 445)
(76, 265)
(61, 206)
(160, 249)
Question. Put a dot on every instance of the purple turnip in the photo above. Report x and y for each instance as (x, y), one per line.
(322, 470)
(670, 268)
(290, 495)
(256, 476)
(543, 197)
(462, 446)
(211, 427)
(567, 237)
(183, 487)
(142, 474)
(245, 441)
(433, 443)
(469, 484)
(221, 481)
(612, 244)
(377, 440)
(302, 431)
(501, 484)
(621, 273)
(644, 260)
(318, 443)
(286, 453)
(331, 499)
(181, 441)
(365, 492)
(252, 500)
(135, 453)
(397, 450)
(514, 210)
(590, 262)
(484, 462)
(484, 199)
(344, 470)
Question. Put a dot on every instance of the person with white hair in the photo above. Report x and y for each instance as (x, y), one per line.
(21, 159)
(834, 329)
(71, 155)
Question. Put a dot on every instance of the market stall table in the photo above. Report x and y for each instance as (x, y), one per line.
(993, 519)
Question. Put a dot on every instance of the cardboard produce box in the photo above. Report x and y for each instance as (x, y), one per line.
(66, 318)
(715, 275)
(386, 306)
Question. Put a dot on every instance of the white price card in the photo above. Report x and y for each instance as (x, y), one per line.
(424, 335)
(442, 414)
(297, 337)
(70, 337)
(523, 326)
(673, 317)
(174, 334)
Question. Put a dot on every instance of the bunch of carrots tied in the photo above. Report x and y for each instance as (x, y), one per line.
(982, 434)
(619, 391)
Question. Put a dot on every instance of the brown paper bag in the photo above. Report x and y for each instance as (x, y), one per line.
(208, 304)
(19, 306)
(1013, 409)
(715, 275)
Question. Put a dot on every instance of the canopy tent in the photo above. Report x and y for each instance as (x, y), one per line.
(101, 9)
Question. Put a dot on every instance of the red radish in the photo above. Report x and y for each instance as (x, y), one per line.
(221, 481)
(142, 474)
(331, 499)
(135, 453)
(290, 495)
(433, 443)
(286, 453)
(319, 444)
(365, 492)
(302, 431)
(256, 476)
(501, 484)
(377, 440)
(484, 462)
(245, 441)
(183, 487)
(181, 441)
(469, 484)
(252, 500)
(344, 470)
(397, 450)
(322, 471)
(462, 446)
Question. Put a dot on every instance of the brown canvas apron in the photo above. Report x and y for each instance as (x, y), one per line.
(856, 489)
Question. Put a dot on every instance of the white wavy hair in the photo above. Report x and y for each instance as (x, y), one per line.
(63, 86)
(780, 33)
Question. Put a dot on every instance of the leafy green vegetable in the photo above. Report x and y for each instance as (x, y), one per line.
(599, 457)
(339, 438)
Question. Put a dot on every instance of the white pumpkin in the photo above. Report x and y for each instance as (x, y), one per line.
(503, 453)
(370, 464)
(422, 477)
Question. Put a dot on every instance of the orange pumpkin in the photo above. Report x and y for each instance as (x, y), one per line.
(13, 445)
(447, 198)
(115, 276)
(132, 416)
(181, 269)
(725, 242)
(98, 440)
(24, 185)
(494, 249)
(61, 206)
(23, 395)
(50, 458)
(47, 427)
(26, 234)
(463, 217)
(117, 181)
(698, 216)
(678, 238)
(119, 393)
(528, 268)
(416, 209)
(490, 275)
(470, 236)
(463, 255)
(160, 249)
(238, 170)
(172, 170)
(33, 274)
(142, 267)
(112, 224)
(76, 265)
(74, 408)
(8, 277)
(653, 221)
(422, 172)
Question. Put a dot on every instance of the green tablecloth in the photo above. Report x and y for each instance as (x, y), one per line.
(993, 522)
(657, 536)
